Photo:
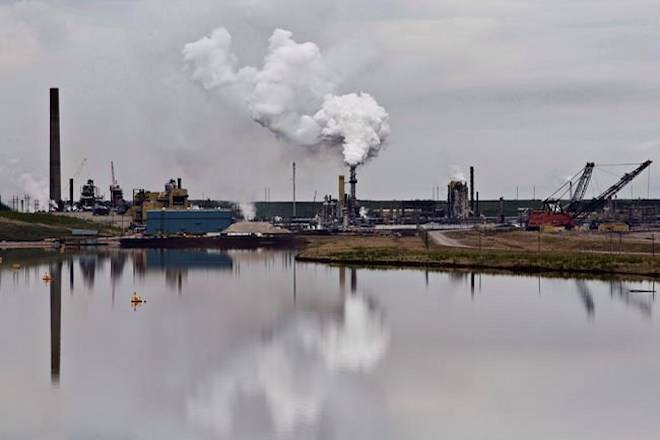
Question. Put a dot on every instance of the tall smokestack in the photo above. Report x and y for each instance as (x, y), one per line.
(294, 190)
(71, 192)
(353, 181)
(341, 193)
(55, 166)
(472, 190)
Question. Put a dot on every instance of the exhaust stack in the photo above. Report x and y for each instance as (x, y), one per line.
(341, 192)
(353, 182)
(55, 192)
(472, 190)
(71, 193)
(352, 201)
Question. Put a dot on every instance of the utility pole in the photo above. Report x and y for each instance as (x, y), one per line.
(294, 191)
(653, 244)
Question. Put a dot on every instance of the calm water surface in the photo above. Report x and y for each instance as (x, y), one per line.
(251, 345)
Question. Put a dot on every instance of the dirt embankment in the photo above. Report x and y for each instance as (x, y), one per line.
(419, 252)
(564, 241)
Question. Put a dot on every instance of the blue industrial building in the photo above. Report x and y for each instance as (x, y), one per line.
(203, 221)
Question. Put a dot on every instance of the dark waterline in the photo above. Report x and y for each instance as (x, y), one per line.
(251, 344)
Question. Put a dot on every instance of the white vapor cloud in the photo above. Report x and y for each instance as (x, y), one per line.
(293, 94)
(523, 93)
(457, 173)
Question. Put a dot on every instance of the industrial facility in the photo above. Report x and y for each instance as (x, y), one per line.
(567, 208)
(174, 197)
(171, 211)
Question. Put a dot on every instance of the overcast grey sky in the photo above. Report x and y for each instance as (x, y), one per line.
(527, 91)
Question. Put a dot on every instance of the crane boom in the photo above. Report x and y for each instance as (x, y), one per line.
(581, 188)
(583, 183)
(599, 202)
(575, 212)
(554, 202)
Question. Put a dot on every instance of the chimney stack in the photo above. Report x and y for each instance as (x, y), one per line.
(353, 181)
(472, 190)
(178, 183)
(55, 165)
(294, 191)
(341, 193)
(71, 192)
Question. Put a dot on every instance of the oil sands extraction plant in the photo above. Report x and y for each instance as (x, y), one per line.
(171, 211)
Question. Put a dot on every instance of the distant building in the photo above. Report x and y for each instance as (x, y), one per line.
(194, 221)
(89, 196)
(174, 197)
(457, 201)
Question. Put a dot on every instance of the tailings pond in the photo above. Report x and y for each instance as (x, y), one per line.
(250, 344)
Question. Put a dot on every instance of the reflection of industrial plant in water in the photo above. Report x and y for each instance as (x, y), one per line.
(177, 262)
(586, 296)
(87, 265)
(644, 302)
(117, 264)
(294, 373)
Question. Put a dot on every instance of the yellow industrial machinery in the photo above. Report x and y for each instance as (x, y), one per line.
(174, 197)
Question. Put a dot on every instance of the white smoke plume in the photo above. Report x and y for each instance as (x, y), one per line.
(248, 209)
(293, 94)
(457, 174)
(22, 183)
(37, 189)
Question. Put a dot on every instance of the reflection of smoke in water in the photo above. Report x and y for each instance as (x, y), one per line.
(295, 372)
(357, 343)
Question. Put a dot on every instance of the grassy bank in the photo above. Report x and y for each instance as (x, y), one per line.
(16, 226)
(411, 252)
